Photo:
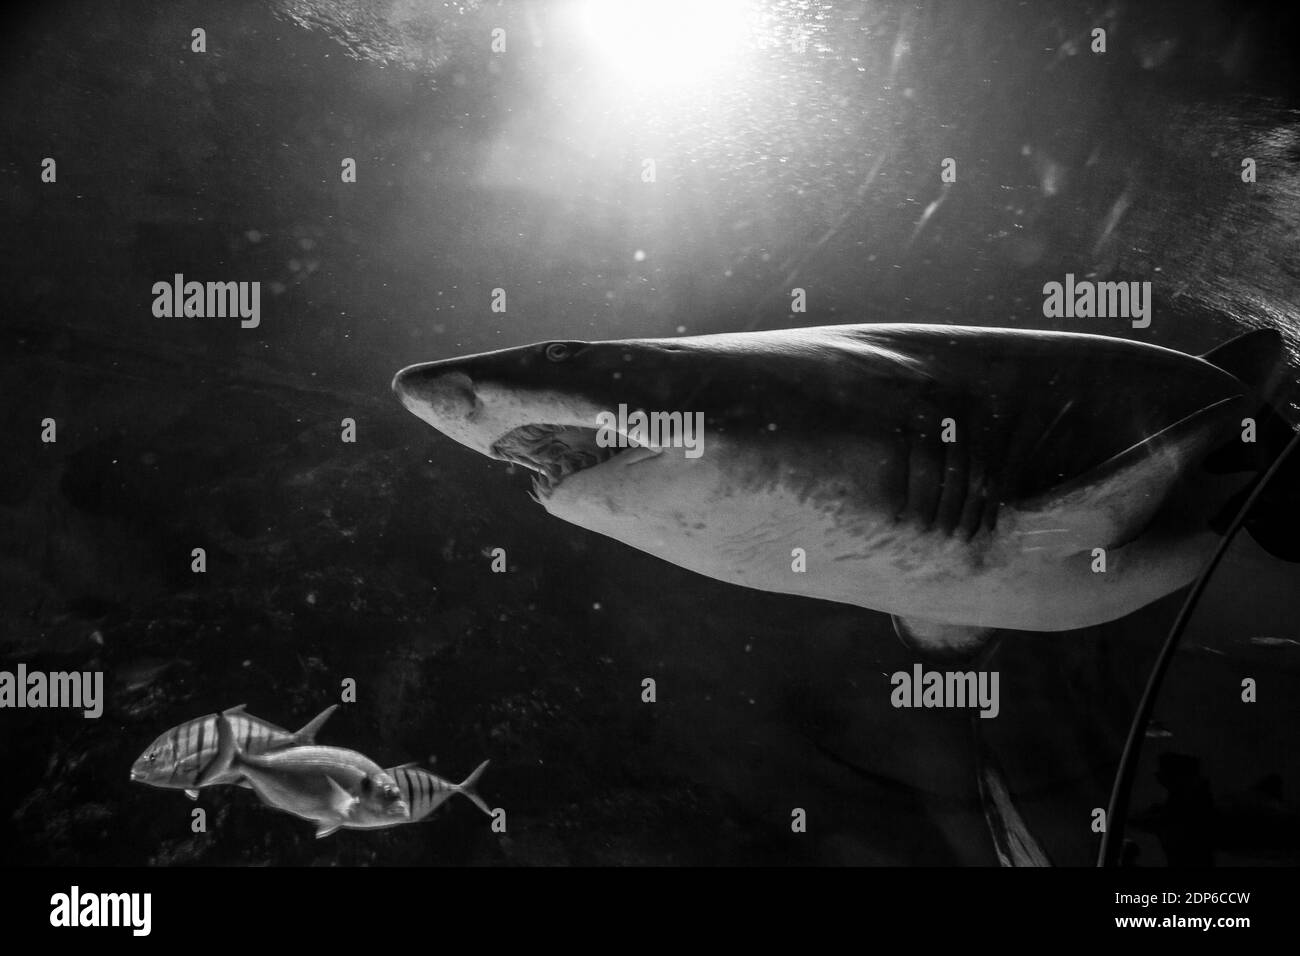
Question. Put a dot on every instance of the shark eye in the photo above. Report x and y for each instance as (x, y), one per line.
(557, 351)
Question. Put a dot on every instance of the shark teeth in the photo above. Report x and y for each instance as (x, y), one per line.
(556, 451)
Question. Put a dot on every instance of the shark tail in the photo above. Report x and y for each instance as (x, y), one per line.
(1258, 360)
(467, 788)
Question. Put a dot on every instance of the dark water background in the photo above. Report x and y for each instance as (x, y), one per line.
(522, 170)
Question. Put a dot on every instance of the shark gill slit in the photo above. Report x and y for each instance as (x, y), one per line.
(943, 486)
(954, 487)
(979, 508)
(972, 516)
(899, 472)
(1023, 440)
(925, 475)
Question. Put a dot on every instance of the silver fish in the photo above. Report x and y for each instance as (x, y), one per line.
(330, 786)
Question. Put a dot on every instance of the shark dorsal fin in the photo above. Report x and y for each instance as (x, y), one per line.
(1256, 359)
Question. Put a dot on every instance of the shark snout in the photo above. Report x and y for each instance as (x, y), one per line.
(480, 399)
(445, 397)
(437, 394)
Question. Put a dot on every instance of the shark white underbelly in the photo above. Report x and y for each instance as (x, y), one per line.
(774, 539)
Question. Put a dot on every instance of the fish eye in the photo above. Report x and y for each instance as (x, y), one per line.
(557, 351)
(152, 756)
(365, 784)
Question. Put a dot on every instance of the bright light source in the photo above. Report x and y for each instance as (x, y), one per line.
(662, 43)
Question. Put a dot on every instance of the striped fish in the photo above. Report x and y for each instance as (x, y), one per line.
(425, 792)
(176, 759)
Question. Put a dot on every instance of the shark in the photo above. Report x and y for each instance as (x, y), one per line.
(964, 480)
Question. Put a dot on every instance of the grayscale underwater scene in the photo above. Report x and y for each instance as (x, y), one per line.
(354, 566)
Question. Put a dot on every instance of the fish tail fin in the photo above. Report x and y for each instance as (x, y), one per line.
(228, 754)
(307, 734)
(467, 788)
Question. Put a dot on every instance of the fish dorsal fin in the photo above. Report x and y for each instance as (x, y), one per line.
(307, 734)
(1109, 505)
(1256, 359)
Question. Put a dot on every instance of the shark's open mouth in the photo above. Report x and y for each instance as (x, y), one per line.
(557, 451)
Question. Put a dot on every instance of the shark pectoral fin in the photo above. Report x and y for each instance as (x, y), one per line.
(325, 829)
(192, 794)
(341, 802)
(932, 639)
(1109, 505)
